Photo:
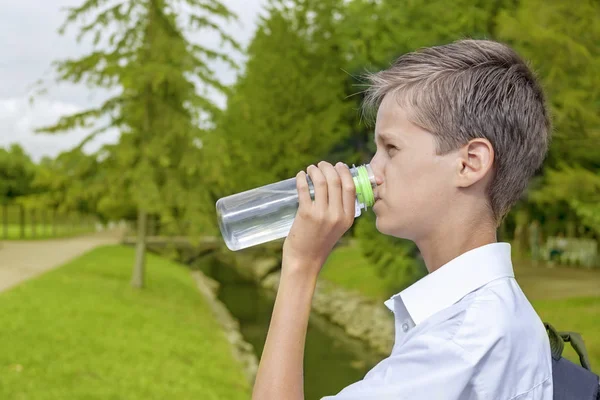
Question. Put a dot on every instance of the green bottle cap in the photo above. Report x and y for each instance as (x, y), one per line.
(364, 190)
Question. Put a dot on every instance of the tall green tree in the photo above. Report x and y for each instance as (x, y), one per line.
(287, 108)
(563, 44)
(142, 53)
(17, 172)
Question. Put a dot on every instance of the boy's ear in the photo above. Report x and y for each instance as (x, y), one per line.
(474, 162)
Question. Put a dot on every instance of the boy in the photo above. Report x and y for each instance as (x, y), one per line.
(460, 130)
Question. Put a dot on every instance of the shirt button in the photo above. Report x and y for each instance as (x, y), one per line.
(405, 327)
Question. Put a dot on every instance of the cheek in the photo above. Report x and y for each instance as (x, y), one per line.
(402, 173)
(413, 183)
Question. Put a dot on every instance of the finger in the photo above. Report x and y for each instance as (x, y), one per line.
(334, 187)
(320, 185)
(304, 199)
(348, 190)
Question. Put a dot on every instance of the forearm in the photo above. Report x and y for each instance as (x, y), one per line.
(280, 373)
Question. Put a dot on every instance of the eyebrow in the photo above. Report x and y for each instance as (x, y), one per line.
(384, 137)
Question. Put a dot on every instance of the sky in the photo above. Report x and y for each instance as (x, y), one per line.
(29, 43)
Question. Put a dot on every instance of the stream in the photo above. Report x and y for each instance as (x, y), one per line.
(332, 360)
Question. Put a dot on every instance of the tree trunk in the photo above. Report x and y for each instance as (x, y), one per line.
(5, 220)
(22, 220)
(44, 223)
(152, 226)
(54, 216)
(33, 224)
(137, 280)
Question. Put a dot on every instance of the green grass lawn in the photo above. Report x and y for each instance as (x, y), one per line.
(568, 299)
(577, 314)
(81, 332)
(42, 231)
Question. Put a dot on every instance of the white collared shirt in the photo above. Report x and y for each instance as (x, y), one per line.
(465, 331)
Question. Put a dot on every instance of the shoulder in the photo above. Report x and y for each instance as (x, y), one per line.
(499, 311)
(502, 334)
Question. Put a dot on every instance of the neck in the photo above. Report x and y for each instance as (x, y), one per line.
(450, 240)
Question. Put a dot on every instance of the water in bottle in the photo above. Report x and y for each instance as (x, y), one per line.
(266, 213)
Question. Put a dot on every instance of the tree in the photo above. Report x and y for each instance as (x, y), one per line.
(579, 188)
(141, 52)
(71, 182)
(287, 109)
(570, 77)
(16, 176)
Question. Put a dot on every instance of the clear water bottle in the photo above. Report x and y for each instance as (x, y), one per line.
(266, 213)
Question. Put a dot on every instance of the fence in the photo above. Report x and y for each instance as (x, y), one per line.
(571, 251)
(19, 222)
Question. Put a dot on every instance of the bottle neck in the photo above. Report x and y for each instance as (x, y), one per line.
(364, 181)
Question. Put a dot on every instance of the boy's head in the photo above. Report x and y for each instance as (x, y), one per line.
(460, 130)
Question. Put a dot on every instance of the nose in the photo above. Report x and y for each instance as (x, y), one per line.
(377, 170)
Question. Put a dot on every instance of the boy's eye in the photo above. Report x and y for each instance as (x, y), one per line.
(391, 149)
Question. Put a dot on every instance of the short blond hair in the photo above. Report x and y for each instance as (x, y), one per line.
(473, 89)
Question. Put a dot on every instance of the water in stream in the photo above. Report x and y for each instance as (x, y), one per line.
(332, 360)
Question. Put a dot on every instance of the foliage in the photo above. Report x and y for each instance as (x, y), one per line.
(70, 182)
(577, 187)
(158, 109)
(16, 173)
(562, 43)
(287, 109)
(397, 261)
(142, 55)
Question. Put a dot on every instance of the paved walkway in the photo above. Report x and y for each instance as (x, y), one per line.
(21, 260)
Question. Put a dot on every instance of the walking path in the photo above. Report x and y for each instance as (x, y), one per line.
(22, 260)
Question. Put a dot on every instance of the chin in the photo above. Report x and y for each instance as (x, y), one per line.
(392, 228)
(382, 226)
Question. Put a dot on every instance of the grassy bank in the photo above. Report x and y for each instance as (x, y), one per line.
(568, 299)
(81, 332)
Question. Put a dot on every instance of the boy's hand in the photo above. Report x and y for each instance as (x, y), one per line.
(320, 224)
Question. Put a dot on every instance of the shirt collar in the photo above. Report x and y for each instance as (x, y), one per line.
(454, 280)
